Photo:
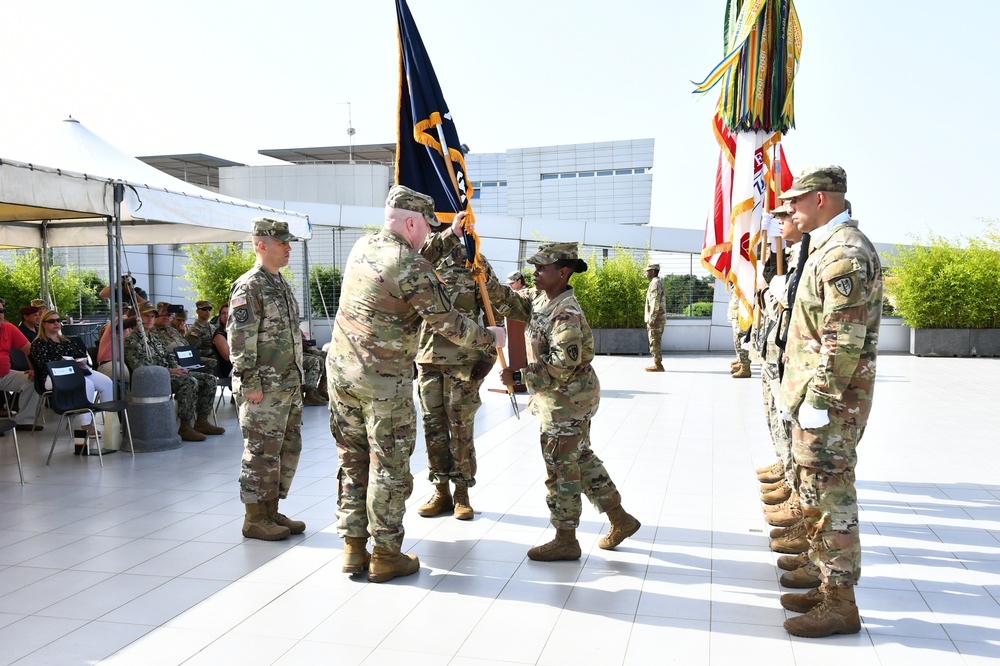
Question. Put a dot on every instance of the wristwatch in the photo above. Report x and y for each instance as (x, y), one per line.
(518, 377)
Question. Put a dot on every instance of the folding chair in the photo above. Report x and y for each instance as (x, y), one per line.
(69, 397)
(9, 425)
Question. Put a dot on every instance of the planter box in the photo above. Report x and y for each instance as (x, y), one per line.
(620, 341)
(961, 342)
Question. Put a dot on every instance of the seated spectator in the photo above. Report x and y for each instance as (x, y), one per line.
(166, 333)
(195, 391)
(220, 341)
(179, 321)
(29, 328)
(51, 345)
(200, 334)
(21, 382)
(104, 350)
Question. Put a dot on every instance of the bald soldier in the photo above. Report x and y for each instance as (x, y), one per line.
(826, 390)
(388, 291)
(655, 316)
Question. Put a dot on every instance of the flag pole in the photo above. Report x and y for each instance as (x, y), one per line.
(779, 167)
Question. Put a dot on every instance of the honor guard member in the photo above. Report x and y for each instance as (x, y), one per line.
(565, 396)
(515, 280)
(265, 345)
(827, 389)
(655, 316)
(388, 290)
(200, 334)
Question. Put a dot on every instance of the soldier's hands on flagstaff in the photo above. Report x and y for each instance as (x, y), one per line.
(456, 225)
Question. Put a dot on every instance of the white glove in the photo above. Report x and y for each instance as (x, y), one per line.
(777, 285)
(765, 223)
(499, 333)
(811, 418)
(785, 416)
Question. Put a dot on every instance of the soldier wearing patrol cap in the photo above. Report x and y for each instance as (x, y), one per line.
(827, 390)
(565, 396)
(655, 316)
(389, 289)
(266, 353)
(515, 280)
(200, 334)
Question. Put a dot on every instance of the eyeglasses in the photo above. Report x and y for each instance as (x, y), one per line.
(2, 310)
(53, 321)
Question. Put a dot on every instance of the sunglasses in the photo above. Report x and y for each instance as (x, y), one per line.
(53, 321)
(209, 309)
(2, 310)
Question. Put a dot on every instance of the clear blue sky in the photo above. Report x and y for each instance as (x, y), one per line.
(902, 93)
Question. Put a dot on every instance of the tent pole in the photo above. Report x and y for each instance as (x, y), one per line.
(307, 297)
(43, 262)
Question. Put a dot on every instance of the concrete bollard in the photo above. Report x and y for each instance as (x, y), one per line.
(152, 413)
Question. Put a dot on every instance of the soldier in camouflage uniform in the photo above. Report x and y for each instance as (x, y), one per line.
(655, 316)
(314, 376)
(195, 391)
(565, 396)
(449, 380)
(827, 391)
(740, 368)
(265, 347)
(388, 290)
(166, 333)
(200, 334)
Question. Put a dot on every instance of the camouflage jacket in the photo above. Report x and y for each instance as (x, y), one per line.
(265, 342)
(135, 351)
(387, 290)
(169, 336)
(656, 301)
(560, 349)
(447, 253)
(833, 334)
(200, 336)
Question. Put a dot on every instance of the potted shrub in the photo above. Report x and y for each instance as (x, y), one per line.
(612, 294)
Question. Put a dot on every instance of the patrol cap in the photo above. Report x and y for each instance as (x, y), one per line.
(403, 197)
(38, 303)
(561, 254)
(276, 229)
(183, 314)
(783, 209)
(829, 178)
(147, 309)
(514, 276)
(203, 304)
(652, 267)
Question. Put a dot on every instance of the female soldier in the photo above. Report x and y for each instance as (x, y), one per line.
(566, 393)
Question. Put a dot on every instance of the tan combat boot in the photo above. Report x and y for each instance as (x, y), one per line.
(563, 547)
(356, 555)
(836, 614)
(204, 427)
(656, 367)
(388, 564)
(793, 542)
(623, 525)
(734, 364)
(294, 526)
(312, 398)
(777, 496)
(189, 434)
(768, 487)
(793, 562)
(802, 578)
(258, 524)
(463, 510)
(772, 474)
(742, 371)
(802, 603)
(767, 468)
(787, 515)
(439, 502)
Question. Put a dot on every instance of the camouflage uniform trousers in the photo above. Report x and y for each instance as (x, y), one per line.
(375, 439)
(738, 335)
(654, 328)
(824, 460)
(571, 469)
(313, 367)
(449, 405)
(781, 430)
(272, 443)
(195, 394)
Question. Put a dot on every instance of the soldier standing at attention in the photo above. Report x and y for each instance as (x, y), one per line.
(565, 396)
(266, 353)
(827, 390)
(387, 291)
(449, 381)
(655, 316)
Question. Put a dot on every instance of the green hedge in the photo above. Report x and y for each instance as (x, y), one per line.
(940, 283)
(612, 293)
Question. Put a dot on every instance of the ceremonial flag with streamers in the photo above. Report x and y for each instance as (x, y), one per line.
(429, 155)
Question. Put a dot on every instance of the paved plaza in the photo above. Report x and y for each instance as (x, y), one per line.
(143, 563)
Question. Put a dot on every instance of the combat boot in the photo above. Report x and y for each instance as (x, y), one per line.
(258, 524)
(563, 547)
(356, 555)
(742, 371)
(777, 496)
(312, 398)
(772, 474)
(189, 434)
(792, 542)
(768, 487)
(836, 614)
(802, 578)
(767, 468)
(439, 502)
(294, 526)
(388, 564)
(656, 367)
(778, 532)
(734, 364)
(786, 516)
(623, 525)
(463, 510)
(793, 562)
(204, 427)
(802, 603)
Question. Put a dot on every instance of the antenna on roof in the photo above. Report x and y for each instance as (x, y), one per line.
(350, 135)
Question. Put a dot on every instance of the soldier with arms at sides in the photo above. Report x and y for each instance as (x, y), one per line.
(655, 316)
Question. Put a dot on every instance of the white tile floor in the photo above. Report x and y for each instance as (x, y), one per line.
(143, 562)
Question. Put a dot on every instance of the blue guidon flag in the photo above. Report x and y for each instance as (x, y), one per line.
(428, 152)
